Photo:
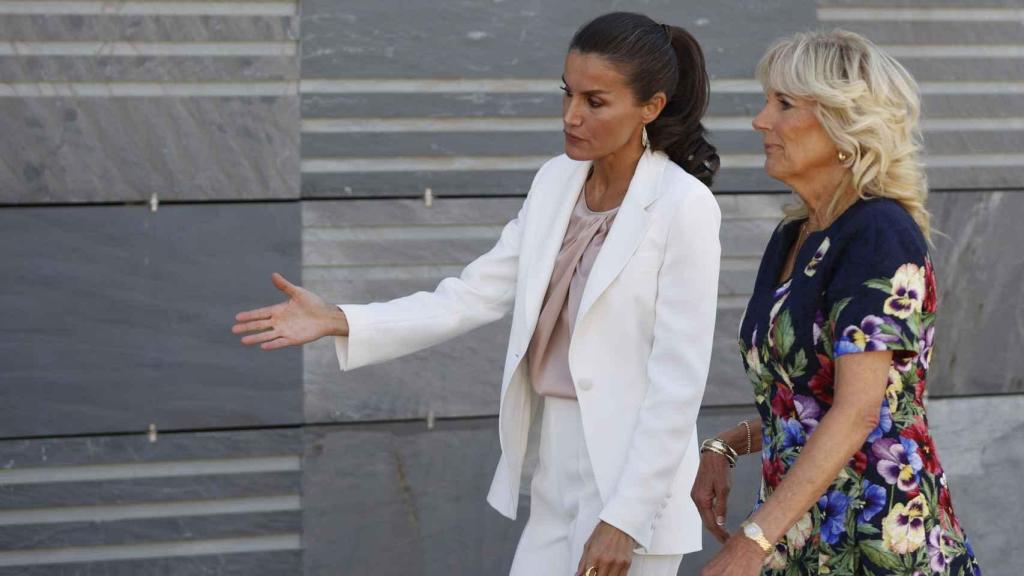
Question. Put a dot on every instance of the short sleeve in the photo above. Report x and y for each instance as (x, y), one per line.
(878, 294)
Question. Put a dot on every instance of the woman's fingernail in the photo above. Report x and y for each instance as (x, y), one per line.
(720, 520)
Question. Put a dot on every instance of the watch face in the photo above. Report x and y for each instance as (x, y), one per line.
(750, 530)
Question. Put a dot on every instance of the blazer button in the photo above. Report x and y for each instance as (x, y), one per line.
(585, 384)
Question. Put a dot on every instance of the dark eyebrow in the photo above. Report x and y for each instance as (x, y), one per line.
(587, 93)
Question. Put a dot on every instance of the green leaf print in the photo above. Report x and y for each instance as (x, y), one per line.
(799, 364)
(880, 283)
(784, 336)
(875, 551)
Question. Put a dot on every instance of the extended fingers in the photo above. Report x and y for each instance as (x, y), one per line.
(260, 337)
(278, 343)
(256, 314)
(253, 326)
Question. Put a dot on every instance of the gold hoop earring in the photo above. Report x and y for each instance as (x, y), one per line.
(644, 140)
(843, 156)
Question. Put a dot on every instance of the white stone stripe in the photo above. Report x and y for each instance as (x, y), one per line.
(287, 48)
(473, 85)
(552, 124)
(287, 88)
(972, 124)
(975, 161)
(465, 163)
(110, 513)
(413, 232)
(972, 88)
(417, 164)
(871, 14)
(151, 550)
(94, 472)
(962, 51)
(484, 124)
(523, 163)
(550, 86)
(145, 89)
(379, 125)
(150, 7)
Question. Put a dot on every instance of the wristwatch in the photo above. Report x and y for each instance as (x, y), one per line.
(753, 531)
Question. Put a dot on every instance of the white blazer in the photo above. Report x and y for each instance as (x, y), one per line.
(639, 355)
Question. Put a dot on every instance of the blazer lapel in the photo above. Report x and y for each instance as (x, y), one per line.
(628, 229)
(552, 221)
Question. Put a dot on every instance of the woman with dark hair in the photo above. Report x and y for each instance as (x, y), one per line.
(611, 271)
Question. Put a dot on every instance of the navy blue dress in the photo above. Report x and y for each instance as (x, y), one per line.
(864, 283)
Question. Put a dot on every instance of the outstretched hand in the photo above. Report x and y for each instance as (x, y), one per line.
(303, 318)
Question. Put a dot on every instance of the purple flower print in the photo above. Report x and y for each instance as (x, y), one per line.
(898, 462)
(937, 542)
(807, 411)
(874, 501)
(867, 337)
(926, 346)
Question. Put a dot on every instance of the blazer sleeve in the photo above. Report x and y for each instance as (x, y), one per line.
(677, 368)
(483, 292)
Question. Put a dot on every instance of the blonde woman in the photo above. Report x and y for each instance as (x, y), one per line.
(837, 337)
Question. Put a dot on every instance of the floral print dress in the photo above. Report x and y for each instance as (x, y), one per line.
(864, 283)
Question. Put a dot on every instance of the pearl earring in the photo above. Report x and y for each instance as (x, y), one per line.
(843, 156)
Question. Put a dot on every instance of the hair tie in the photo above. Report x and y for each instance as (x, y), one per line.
(668, 32)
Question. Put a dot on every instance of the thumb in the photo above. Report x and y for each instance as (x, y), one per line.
(721, 502)
(283, 285)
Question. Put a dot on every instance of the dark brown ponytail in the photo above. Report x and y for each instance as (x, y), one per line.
(658, 58)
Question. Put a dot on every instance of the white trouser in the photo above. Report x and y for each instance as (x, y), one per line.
(565, 503)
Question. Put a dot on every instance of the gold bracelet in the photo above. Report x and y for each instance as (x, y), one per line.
(749, 439)
(718, 446)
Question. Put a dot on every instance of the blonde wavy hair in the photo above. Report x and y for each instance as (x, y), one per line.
(868, 104)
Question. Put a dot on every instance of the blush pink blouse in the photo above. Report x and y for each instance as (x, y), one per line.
(548, 353)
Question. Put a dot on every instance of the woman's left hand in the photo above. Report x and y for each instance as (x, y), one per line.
(609, 550)
(740, 556)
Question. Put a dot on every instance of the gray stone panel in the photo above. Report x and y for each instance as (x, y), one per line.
(147, 28)
(963, 69)
(964, 4)
(977, 440)
(136, 448)
(979, 177)
(242, 564)
(125, 149)
(963, 33)
(978, 331)
(118, 317)
(369, 144)
(413, 184)
(46, 484)
(53, 494)
(469, 105)
(141, 531)
(147, 69)
(484, 39)
(395, 499)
